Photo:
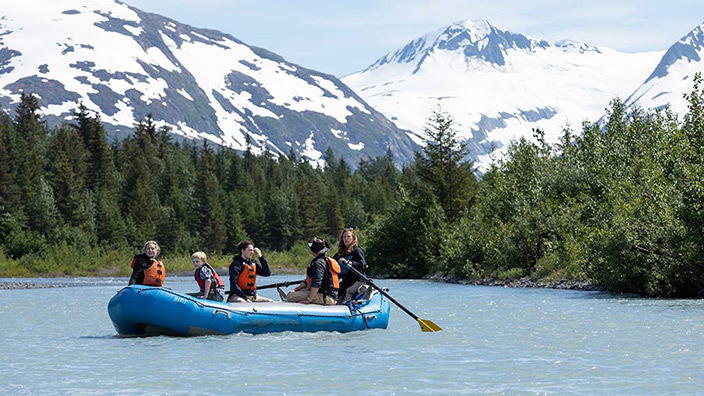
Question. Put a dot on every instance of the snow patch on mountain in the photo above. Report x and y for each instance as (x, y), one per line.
(673, 76)
(498, 85)
(124, 64)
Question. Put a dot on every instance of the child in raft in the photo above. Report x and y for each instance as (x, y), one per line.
(211, 286)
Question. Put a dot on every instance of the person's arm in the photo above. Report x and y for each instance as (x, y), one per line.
(263, 268)
(358, 261)
(137, 276)
(300, 286)
(235, 269)
(318, 273)
(206, 287)
(311, 295)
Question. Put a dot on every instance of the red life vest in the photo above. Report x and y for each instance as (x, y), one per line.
(247, 281)
(155, 274)
(201, 282)
(333, 268)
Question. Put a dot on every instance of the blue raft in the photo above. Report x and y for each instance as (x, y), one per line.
(146, 310)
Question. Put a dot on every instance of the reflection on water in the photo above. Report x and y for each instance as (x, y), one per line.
(60, 340)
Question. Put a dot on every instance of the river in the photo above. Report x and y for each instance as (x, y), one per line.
(496, 341)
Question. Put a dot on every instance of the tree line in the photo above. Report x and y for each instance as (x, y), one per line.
(69, 187)
(620, 204)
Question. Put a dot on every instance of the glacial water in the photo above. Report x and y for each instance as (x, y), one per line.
(496, 341)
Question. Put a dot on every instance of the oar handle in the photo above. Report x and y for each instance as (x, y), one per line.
(372, 284)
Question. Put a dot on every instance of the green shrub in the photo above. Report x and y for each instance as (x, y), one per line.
(511, 274)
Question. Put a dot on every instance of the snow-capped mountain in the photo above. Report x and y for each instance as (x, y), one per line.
(673, 76)
(124, 64)
(498, 85)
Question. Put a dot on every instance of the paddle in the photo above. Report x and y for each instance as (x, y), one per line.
(426, 325)
(281, 284)
(276, 285)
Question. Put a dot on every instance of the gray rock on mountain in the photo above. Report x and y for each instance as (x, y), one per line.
(203, 84)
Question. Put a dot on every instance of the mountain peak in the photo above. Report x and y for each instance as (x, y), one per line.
(498, 85)
(473, 38)
(673, 75)
(688, 48)
(571, 45)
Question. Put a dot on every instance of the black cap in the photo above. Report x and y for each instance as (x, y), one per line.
(319, 246)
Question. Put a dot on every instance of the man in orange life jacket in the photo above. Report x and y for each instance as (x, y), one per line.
(322, 282)
(243, 274)
(211, 286)
(146, 269)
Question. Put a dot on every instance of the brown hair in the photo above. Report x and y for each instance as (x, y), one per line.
(341, 247)
(243, 245)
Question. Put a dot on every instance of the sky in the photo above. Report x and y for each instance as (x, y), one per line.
(342, 37)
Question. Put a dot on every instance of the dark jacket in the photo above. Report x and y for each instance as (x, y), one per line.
(236, 269)
(141, 263)
(320, 276)
(356, 258)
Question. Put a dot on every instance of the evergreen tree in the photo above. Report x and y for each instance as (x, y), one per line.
(332, 209)
(100, 166)
(41, 208)
(442, 165)
(211, 213)
(31, 145)
(308, 209)
(9, 189)
(279, 220)
(234, 228)
(111, 229)
(67, 174)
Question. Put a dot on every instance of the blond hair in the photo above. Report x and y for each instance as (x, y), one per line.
(156, 245)
(199, 255)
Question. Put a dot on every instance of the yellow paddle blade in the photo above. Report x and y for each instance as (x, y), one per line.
(428, 325)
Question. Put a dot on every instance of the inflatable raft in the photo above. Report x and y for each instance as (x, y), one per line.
(147, 310)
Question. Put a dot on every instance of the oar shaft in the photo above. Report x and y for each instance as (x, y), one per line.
(372, 284)
(280, 284)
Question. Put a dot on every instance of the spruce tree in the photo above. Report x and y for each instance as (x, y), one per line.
(442, 165)
(41, 208)
(31, 144)
(67, 174)
(308, 209)
(98, 158)
(9, 190)
(211, 213)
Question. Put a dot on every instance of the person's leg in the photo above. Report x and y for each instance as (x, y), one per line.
(236, 299)
(297, 296)
(352, 291)
(216, 296)
(259, 298)
(321, 299)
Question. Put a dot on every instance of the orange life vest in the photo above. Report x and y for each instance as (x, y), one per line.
(154, 275)
(247, 280)
(333, 268)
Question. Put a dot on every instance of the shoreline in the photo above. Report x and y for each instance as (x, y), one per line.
(525, 282)
(562, 284)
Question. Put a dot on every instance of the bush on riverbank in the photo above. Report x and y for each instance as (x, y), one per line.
(621, 205)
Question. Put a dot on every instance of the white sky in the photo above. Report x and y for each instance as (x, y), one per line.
(341, 37)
